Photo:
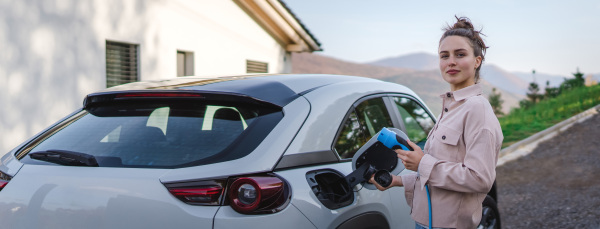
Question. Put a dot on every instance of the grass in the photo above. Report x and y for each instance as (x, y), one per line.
(521, 123)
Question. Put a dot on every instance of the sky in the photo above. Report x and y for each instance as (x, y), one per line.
(552, 37)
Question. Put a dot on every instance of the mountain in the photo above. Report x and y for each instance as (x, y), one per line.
(503, 79)
(428, 84)
(417, 61)
(541, 78)
(424, 61)
(315, 63)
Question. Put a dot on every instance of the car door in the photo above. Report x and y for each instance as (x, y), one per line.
(332, 205)
(370, 115)
(416, 121)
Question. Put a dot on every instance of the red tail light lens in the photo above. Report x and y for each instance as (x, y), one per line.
(255, 195)
(198, 193)
(4, 180)
(3, 183)
(259, 194)
(206, 195)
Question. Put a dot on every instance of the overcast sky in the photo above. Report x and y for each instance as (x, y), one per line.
(554, 37)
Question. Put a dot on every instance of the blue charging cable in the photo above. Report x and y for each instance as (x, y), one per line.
(429, 202)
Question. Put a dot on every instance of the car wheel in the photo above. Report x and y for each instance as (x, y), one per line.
(490, 217)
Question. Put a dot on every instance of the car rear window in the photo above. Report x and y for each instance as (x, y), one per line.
(165, 134)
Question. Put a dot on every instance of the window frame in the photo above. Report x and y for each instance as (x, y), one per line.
(188, 63)
(397, 114)
(388, 107)
(392, 112)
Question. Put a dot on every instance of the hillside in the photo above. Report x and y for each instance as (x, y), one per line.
(495, 75)
(541, 78)
(315, 63)
(417, 61)
(503, 79)
(427, 84)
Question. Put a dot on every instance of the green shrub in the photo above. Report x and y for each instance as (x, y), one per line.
(521, 123)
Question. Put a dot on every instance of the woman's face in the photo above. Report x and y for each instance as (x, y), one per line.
(458, 62)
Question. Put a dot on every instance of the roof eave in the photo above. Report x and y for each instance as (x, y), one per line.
(281, 24)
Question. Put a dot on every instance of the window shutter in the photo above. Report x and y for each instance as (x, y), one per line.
(121, 63)
(256, 67)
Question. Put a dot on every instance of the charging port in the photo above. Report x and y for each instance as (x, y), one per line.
(331, 188)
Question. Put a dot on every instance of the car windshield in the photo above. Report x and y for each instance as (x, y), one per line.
(162, 135)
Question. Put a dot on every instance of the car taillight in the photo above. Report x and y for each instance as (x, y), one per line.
(256, 194)
(252, 195)
(198, 193)
(4, 180)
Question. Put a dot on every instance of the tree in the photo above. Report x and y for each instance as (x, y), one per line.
(525, 104)
(551, 92)
(533, 93)
(534, 90)
(496, 102)
(576, 82)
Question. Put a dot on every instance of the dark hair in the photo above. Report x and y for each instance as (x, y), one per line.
(464, 28)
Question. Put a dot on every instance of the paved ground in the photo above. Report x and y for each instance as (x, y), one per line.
(557, 185)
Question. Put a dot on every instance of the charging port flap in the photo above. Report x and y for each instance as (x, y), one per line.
(331, 188)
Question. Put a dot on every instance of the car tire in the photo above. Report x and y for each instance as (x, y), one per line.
(490, 216)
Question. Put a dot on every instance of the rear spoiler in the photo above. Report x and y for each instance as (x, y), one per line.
(113, 96)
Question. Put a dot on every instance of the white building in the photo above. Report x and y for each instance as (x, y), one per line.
(54, 52)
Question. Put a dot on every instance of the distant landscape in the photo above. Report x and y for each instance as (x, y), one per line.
(424, 80)
(420, 72)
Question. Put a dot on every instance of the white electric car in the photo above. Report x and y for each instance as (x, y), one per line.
(260, 151)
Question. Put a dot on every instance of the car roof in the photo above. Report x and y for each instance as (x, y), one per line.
(278, 89)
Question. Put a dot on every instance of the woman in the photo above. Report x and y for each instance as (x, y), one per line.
(458, 163)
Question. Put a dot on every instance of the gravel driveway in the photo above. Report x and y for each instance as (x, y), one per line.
(557, 185)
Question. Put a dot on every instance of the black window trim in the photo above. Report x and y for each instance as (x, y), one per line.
(353, 109)
(332, 156)
(48, 132)
(399, 116)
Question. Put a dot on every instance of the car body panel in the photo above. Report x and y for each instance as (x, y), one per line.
(364, 200)
(290, 217)
(44, 196)
(9, 164)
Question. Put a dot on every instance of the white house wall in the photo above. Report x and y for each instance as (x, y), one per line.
(53, 51)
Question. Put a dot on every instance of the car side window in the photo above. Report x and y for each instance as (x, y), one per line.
(366, 120)
(417, 121)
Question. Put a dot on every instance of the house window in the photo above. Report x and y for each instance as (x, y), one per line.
(185, 63)
(121, 63)
(256, 67)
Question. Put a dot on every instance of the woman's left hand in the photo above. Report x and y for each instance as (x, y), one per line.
(411, 159)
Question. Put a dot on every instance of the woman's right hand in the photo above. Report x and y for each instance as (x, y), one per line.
(396, 181)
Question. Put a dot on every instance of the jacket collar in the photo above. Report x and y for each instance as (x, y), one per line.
(473, 90)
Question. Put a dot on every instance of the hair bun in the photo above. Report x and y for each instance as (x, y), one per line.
(463, 23)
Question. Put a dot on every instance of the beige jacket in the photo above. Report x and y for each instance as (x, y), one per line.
(459, 163)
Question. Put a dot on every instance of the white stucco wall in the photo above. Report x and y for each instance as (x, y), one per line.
(52, 52)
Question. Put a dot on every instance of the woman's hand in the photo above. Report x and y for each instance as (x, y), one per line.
(411, 159)
(396, 181)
